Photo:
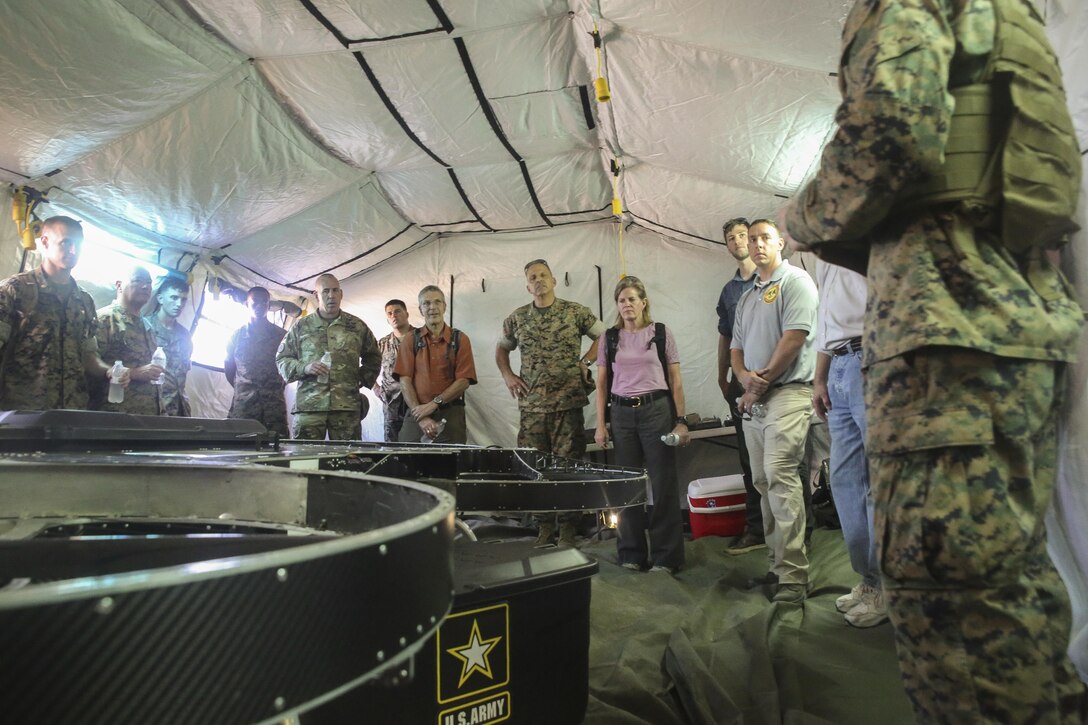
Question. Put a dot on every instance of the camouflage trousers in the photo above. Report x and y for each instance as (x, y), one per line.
(265, 407)
(341, 425)
(562, 432)
(962, 449)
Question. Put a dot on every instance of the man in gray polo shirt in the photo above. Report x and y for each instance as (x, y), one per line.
(774, 356)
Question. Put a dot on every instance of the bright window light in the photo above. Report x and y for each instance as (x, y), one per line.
(106, 258)
(218, 320)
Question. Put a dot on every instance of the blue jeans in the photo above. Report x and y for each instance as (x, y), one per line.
(850, 465)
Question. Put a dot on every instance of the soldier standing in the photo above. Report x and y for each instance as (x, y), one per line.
(388, 387)
(48, 343)
(176, 342)
(551, 388)
(124, 335)
(955, 166)
(328, 399)
(250, 367)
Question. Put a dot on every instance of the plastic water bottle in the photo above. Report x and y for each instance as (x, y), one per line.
(759, 410)
(671, 439)
(159, 358)
(326, 360)
(117, 391)
(441, 427)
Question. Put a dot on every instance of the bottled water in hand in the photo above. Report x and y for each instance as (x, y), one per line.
(159, 358)
(441, 427)
(326, 360)
(671, 439)
(117, 391)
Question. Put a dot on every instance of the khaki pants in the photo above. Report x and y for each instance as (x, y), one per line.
(776, 446)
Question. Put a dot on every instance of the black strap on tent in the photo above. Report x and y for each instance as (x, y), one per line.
(489, 113)
(356, 257)
(612, 344)
(418, 344)
(369, 72)
(346, 41)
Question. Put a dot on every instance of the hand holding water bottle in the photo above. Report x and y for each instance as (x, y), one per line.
(430, 437)
(158, 360)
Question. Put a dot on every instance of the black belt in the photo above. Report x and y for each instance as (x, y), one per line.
(639, 400)
(851, 345)
(458, 401)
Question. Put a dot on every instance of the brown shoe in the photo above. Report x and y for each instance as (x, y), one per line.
(567, 535)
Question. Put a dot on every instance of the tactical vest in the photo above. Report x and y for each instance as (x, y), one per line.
(1012, 161)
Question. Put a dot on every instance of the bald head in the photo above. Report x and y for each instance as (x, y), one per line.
(329, 295)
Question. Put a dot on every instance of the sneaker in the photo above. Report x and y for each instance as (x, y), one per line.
(546, 534)
(566, 536)
(662, 567)
(848, 601)
(748, 542)
(870, 609)
(759, 581)
(790, 593)
(631, 565)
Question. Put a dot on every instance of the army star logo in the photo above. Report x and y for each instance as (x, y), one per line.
(771, 294)
(473, 655)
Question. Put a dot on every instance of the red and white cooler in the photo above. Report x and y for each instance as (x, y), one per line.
(716, 506)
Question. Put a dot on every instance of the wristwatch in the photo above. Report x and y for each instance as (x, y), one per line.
(680, 419)
(438, 401)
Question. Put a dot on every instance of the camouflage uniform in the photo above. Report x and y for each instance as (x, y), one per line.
(258, 387)
(387, 388)
(126, 337)
(335, 406)
(964, 343)
(551, 412)
(177, 343)
(45, 332)
(551, 343)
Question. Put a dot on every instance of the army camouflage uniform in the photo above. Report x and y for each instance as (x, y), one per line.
(387, 388)
(550, 338)
(258, 387)
(45, 332)
(965, 344)
(177, 343)
(126, 337)
(335, 406)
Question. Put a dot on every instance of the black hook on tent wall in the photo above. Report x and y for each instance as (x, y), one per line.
(566, 279)
(483, 286)
(451, 300)
(600, 294)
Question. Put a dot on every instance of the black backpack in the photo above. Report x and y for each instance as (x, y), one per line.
(612, 343)
(451, 351)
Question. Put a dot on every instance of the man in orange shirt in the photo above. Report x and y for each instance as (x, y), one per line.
(435, 368)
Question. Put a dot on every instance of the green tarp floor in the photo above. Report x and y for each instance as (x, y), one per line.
(701, 647)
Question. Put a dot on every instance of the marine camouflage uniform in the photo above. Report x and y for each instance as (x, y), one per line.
(126, 337)
(965, 344)
(550, 338)
(44, 334)
(258, 387)
(551, 344)
(387, 388)
(177, 343)
(336, 406)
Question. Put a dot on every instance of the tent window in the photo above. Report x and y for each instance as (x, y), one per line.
(219, 318)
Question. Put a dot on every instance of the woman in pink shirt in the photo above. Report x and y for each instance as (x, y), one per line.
(645, 396)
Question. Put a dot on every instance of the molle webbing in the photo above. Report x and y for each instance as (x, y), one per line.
(1012, 148)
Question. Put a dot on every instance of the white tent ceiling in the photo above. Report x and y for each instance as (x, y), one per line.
(354, 129)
